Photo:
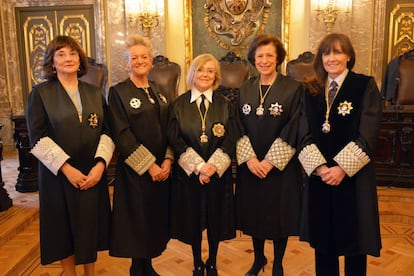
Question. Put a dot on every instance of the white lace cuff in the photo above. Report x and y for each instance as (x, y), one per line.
(140, 160)
(352, 158)
(105, 149)
(310, 157)
(244, 150)
(280, 154)
(220, 160)
(189, 160)
(50, 154)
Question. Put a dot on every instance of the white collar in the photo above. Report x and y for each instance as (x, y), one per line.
(195, 94)
(339, 79)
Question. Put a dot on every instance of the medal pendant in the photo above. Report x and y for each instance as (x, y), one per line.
(203, 138)
(326, 127)
(260, 111)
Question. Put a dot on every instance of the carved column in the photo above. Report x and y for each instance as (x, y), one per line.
(5, 201)
(27, 180)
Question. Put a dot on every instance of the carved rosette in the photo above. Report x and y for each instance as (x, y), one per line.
(231, 22)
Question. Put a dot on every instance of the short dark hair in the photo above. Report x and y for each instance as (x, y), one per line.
(265, 39)
(58, 43)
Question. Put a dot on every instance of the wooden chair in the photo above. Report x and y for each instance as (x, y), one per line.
(97, 75)
(234, 72)
(405, 92)
(301, 67)
(166, 74)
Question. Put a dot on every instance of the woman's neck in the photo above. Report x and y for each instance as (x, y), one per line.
(69, 82)
(268, 79)
(139, 81)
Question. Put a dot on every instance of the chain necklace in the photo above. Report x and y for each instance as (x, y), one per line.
(260, 109)
(150, 99)
(203, 136)
(326, 126)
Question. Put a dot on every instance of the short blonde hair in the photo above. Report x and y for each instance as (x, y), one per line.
(197, 63)
(135, 39)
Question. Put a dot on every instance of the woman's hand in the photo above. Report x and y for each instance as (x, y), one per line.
(208, 170)
(204, 179)
(94, 176)
(155, 172)
(75, 176)
(165, 169)
(267, 166)
(333, 176)
(256, 168)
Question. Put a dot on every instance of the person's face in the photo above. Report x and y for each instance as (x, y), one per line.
(335, 61)
(139, 61)
(205, 76)
(266, 59)
(66, 61)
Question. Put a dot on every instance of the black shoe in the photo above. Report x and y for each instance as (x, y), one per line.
(211, 269)
(199, 270)
(258, 265)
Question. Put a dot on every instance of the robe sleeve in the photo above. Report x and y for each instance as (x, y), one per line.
(43, 147)
(188, 159)
(356, 154)
(136, 155)
(106, 145)
(309, 154)
(284, 147)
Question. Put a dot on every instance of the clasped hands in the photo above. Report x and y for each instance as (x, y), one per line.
(158, 173)
(81, 181)
(331, 175)
(259, 168)
(206, 172)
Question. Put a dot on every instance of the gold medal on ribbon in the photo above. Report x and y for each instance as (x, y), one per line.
(260, 110)
(203, 138)
(326, 127)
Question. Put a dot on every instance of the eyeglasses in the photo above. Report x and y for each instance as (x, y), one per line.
(207, 71)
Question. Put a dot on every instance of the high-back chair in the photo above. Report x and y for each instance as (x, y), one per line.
(301, 67)
(405, 92)
(234, 72)
(166, 74)
(97, 74)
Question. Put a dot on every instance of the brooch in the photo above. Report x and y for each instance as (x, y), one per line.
(218, 130)
(135, 103)
(345, 108)
(246, 109)
(275, 109)
(93, 120)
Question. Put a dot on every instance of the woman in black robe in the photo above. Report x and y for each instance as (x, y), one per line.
(138, 114)
(202, 133)
(269, 184)
(339, 132)
(69, 135)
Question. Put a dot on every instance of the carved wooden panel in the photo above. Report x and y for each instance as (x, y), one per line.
(37, 26)
(401, 27)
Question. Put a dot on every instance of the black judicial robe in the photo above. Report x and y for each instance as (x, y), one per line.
(191, 202)
(347, 213)
(140, 206)
(269, 208)
(71, 221)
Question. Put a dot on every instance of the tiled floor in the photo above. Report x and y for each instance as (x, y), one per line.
(236, 256)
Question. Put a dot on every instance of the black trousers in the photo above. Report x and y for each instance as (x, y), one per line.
(328, 265)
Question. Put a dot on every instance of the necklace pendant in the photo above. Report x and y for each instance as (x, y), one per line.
(203, 138)
(326, 127)
(260, 110)
(151, 100)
